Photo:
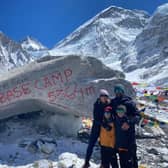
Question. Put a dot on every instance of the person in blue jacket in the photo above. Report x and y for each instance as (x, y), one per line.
(102, 102)
(132, 114)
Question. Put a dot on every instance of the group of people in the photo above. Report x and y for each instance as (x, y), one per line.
(114, 125)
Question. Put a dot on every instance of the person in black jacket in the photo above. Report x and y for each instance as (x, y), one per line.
(124, 138)
(132, 114)
(98, 114)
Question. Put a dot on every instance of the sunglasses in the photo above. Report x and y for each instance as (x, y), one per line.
(120, 110)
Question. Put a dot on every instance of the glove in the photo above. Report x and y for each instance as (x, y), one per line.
(107, 127)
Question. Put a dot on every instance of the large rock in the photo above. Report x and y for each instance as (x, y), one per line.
(65, 85)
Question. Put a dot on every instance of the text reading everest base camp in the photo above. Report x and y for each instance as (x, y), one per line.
(56, 85)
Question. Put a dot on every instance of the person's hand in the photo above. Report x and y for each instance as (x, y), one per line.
(106, 126)
(108, 101)
(125, 126)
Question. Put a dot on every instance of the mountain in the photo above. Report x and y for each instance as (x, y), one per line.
(34, 47)
(128, 40)
(105, 36)
(12, 54)
(149, 52)
(31, 44)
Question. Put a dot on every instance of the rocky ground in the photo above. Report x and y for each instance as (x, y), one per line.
(25, 143)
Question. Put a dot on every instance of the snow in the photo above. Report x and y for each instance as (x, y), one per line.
(161, 75)
(154, 73)
(163, 9)
(149, 50)
(128, 34)
(112, 64)
(12, 54)
(105, 36)
(31, 44)
(163, 151)
(135, 76)
(69, 159)
(18, 136)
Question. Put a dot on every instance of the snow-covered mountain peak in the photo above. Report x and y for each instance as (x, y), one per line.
(159, 17)
(114, 11)
(162, 10)
(31, 44)
(4, 38)
(112, 16)
(105, 36)
(11, 54)
(149, 51)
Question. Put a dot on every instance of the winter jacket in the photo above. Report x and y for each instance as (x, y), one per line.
(133, 116)
(125, 139)
(98, 113)
(107, 137)
(132, 112)
(107, 130)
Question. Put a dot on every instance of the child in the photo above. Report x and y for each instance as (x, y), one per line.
(124, 138)
(107, 140)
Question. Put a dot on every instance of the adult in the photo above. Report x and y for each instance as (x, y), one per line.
(98, 113)
(132, 114)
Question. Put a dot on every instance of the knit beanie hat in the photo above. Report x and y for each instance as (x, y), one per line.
(119, 88)
(104, 92)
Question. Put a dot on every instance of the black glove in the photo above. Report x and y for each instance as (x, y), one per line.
(106, 126)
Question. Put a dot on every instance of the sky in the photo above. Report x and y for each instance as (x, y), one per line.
(50, 21)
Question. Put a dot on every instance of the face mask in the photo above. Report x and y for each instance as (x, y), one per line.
(107, 115)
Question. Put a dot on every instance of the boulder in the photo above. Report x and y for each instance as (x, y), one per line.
(65, 85)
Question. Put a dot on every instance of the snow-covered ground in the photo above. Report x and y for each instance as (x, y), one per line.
(24, 143)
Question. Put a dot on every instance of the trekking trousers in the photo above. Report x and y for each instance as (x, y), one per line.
(108, 157)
